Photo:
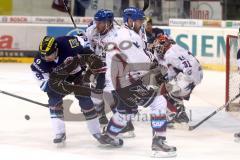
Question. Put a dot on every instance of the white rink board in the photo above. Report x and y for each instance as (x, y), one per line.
(207, 43)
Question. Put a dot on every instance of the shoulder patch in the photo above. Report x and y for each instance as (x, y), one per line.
(74, 43)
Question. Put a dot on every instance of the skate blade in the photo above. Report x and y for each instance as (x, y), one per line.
(129, 134)
(161, 154)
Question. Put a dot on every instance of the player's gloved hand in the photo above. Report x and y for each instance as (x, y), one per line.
(44, 85)
(96, 64)
(160, 78)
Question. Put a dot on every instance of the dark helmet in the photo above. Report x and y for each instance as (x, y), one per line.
(133, 13)
(104, 15)
(47, 46)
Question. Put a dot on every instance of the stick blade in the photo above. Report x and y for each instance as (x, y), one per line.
(190, 128)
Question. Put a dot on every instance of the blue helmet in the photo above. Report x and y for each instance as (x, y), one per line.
(133, 13)
(104, 15)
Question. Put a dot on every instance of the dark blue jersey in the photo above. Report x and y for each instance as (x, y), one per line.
(67, 46)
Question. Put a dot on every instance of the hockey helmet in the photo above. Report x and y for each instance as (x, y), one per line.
(47, 46)
(104, 15)
(133, 13)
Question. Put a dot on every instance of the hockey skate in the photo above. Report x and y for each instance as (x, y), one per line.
(128, 131)
(60, 140)
(237, 137)
(160, 149)
(106, 140)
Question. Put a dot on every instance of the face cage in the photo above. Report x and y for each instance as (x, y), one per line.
(160, 50)
(44, 56)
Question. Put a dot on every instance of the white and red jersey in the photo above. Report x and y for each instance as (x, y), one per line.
(96, 40)
(127, 61)
(141, 34)
(178, 59)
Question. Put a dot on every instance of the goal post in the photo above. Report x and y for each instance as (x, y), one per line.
(232, 75)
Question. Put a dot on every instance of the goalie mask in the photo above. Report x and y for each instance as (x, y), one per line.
(162, 44)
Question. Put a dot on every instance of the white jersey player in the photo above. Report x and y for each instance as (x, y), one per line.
(97, 35)
(101, 28)
(133, 19)
(184, 72)
(127, 63)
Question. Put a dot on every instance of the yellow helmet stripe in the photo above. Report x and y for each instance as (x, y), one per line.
(50, 43)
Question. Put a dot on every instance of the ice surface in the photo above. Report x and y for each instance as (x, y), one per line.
(32, 139)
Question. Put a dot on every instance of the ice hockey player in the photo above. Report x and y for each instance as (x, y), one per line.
(133, 19)
(55, 52)
(96, 33)
(184, 73)
(152, 33)
(127, 63)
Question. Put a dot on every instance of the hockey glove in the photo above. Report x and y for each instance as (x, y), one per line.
(160, 78)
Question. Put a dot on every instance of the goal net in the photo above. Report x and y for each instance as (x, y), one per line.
(232, 75)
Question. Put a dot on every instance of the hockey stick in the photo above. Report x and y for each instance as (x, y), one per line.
(23, 98)
(146, 5)
(68, 116)
(213, 113)
(65, 2)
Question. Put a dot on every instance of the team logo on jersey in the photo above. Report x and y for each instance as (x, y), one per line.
(38, 61)
(74, 43)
